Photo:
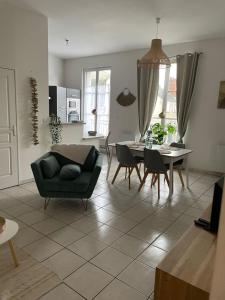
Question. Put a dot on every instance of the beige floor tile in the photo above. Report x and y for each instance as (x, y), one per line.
(32, 217)
(118, 290)
(18, 210)
(121, 223)
(139, 211)
(194, 212)
(103, 215)
(42, 249)
(64, 263)
(152, 256)
(26, 236)
(61, 292)
(88, 281)
(166, 242)
(139, 276)
(106, 234)
(48, 226)
(145, 233)
(87, 247)
(66, 235)
(166, 213)
(86, 224)
(130, 245)
(111, 261)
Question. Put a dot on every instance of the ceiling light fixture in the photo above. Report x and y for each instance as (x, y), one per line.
(155, 57)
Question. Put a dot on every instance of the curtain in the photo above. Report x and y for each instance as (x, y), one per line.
(187, 65)
(148, 82)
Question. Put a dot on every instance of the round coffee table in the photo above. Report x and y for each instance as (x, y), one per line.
(11, 229)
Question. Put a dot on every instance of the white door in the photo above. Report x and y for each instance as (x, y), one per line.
(8, 138)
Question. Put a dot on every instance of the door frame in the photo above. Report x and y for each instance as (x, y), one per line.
(16, 123)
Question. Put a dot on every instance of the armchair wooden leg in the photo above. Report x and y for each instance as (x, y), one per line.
(181, 177)
(117, 171)
(47, 200)
(138, 172)
(85, 204)
(143, 180)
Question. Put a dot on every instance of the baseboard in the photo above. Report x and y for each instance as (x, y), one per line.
(26, 181)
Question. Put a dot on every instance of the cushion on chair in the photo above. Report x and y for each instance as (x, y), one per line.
(50, 166)
(78, 185)
(69, 172)
(90, 160)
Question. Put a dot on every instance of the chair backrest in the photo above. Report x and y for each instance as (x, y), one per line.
(124, 155)
(178, 145)
(153, 161)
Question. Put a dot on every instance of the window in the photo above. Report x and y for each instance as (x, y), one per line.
(166, 101)
(96, 99)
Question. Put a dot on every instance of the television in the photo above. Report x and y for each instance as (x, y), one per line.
(213, 224)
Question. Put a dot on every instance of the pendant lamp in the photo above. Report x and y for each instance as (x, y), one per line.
(155, 57)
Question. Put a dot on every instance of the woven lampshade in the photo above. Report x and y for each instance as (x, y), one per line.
(155, 57)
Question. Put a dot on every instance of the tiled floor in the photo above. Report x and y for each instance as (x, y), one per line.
(110, 251)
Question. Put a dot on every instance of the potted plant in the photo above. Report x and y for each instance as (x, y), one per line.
(159, 133)
(171, 130)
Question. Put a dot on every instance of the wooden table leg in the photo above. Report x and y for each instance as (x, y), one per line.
(109, 163)
(187, 173)
(13, 253)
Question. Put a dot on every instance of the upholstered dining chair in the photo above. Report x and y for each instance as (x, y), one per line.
(154, 165)
(126, 160)
(105, 146)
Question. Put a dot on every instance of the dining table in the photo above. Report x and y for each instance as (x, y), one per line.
(169, 154)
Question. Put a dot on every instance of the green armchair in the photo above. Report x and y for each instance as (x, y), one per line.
(82, 187)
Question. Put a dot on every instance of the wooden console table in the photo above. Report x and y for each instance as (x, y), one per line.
(186, 272)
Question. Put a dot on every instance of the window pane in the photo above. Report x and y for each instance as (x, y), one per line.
(103, 101)
(89, 99)
(171, 96)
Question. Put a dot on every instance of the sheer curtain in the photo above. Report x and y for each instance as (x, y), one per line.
(187, 66)
(147, 83)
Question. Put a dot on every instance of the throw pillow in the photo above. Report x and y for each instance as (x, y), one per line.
(50, 166)
(69, 172)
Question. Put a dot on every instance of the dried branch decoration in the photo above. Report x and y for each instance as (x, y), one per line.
(34, 113)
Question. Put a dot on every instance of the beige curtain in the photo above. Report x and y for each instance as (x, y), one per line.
(147, 82)
(187, 65)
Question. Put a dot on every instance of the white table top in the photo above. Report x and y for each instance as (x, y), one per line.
(164, 150)
(11, 229)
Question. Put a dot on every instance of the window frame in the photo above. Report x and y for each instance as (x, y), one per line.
(97, 70)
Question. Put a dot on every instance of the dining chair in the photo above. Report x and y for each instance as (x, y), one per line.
(154, 165)
(178, 165)
(126, 160)
(106, 146)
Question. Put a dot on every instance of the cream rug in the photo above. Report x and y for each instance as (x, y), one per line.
(29, 281)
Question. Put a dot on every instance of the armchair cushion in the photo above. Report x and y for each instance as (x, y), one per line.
(78, 185)
(50, 166)
(70, 171)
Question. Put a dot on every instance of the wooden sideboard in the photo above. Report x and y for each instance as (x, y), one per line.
(186, 272)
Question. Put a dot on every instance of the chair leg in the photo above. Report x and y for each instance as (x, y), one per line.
(154, 179)
(47, 200)
(167, 179)
(85, 204)
(138, 172)
(126, 173)
(117, 171)
(158, 176)
(143, 180)
(181, 177)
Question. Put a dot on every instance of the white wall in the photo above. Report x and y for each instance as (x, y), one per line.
(206, 128)
(24, 47)
(55, 70)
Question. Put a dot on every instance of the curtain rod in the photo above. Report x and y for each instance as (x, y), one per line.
(183, 54)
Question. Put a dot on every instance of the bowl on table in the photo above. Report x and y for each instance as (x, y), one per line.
(92, 133)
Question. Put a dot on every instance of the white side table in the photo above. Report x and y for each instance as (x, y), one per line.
(11, 229)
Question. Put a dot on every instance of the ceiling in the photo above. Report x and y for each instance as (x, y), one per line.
(105, 26)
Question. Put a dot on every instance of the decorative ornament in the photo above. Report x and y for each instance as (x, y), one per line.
(126, 98)
(55, 126)
(34, 113)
